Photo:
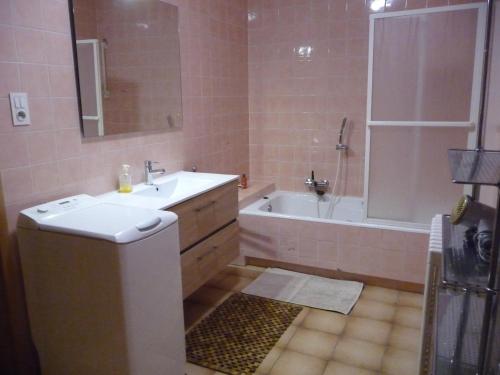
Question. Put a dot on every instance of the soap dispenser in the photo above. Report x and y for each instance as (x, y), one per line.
(125, 179)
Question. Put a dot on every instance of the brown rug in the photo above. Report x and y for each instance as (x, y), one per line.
(237, 336)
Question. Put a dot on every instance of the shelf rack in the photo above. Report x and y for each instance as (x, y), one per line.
(468, 286)
(475, 167)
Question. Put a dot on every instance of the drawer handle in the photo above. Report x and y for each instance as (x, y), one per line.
(205, 206)
(200, 258)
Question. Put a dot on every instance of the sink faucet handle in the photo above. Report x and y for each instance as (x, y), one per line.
(149, 163)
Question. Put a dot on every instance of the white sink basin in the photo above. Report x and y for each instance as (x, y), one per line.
(169, 190)
(179, 186)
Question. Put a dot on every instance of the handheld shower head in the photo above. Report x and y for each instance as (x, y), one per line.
(341, 145)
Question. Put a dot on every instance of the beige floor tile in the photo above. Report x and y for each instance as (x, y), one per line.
(379, 294)
(337, 368)
(408, 317)
(365, 308)
(268, 362)
(400, 362)
(192, 369)
(209, 296)
(411, 299)
(405, 338)
(359, 353)
(286, 337)
(325, 321)
(302, 315)
(230, 282)
(312, 342)
(293, 363)
(371, 330)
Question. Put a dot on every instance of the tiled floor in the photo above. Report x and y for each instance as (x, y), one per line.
(380, 336)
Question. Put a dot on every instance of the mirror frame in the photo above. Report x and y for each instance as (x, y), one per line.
(71, 15)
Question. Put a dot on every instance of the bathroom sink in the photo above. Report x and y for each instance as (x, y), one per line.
(169, 190)
(178, 186)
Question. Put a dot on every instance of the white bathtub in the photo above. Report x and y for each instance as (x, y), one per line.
(310, 207)
(296, 228)
(291, 205)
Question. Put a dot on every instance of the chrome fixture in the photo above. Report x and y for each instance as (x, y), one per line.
(341, 145)
(320, 186)
(269, 208)
(149, 172)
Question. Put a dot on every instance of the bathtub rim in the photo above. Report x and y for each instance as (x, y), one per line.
(252, 210)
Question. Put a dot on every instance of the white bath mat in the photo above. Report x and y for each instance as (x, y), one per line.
(307, 290)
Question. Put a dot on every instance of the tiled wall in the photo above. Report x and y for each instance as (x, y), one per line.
(389, 254)
(49, 159)
(308, 63)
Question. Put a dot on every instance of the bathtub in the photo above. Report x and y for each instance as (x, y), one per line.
(291, 205)
(303, 229)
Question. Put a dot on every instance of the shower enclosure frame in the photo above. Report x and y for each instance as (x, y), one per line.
(474, 100)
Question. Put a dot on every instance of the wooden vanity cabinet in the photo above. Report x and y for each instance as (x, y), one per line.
(208, 234)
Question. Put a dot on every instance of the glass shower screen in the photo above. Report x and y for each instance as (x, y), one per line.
(423, 99)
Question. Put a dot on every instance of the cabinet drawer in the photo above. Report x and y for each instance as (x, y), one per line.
(202, 215)
(208, 258)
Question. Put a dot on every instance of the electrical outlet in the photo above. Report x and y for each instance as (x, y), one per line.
(20, 108)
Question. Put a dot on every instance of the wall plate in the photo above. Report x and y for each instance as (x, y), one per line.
(20, 108)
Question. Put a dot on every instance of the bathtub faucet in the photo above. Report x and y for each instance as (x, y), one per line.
(320, 186)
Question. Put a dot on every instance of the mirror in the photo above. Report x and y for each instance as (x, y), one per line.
(127, 63)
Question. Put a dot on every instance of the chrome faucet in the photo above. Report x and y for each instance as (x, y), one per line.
(319, 186)
(149, 172)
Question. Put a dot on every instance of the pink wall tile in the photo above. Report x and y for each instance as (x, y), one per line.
(35, 80)
(9, 78)
(45, 178)
(30, 44)
(26, 13)
(62, 81)
(7, 44)
(58, 49)
(17, 185)
(389, 254)
(6, 13)
(55, 15)
(41, 146)
(327, 251)
(42, 117)
(13, 150)
(313, 72)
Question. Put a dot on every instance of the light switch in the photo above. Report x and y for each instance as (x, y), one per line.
(20, 108)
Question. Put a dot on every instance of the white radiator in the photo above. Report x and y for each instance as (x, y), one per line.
(432, 279)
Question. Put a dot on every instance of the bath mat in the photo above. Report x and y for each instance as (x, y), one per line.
(307, 290)
(238, 335)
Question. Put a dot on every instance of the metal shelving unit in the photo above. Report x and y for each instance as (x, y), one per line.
(468, 289)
